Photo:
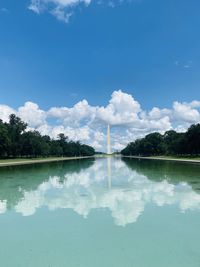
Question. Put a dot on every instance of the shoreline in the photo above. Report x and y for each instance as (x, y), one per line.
(39, 161)
(194, 161)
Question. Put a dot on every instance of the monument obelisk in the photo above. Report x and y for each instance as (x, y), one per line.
(108, 141)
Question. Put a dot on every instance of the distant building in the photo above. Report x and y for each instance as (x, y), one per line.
(109, 152)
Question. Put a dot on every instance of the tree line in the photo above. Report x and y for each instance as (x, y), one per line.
(170, 143)
(17, 141)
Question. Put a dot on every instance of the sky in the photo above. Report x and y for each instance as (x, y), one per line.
(78, 65)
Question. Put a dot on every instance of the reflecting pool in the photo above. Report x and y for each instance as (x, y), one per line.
(100, 212)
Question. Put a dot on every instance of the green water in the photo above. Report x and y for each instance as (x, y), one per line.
(100, 213)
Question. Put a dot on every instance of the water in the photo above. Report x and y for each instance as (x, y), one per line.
(100, 213)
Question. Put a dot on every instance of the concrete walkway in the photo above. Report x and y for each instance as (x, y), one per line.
(37, 161)
(165, 158)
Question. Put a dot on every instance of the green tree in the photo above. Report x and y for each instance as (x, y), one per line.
(193, 140)
(15, 141)
(174, 143)
(4, 140)
(15, 128)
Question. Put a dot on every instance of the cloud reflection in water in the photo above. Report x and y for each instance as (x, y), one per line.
(108, 184)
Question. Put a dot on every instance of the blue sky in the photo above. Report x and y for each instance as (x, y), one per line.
(148, 49)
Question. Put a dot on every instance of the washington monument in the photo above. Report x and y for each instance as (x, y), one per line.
(108, 141)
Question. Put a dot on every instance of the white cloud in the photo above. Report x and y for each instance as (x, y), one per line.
(61, 15)
(81, 113)
(5, 111)
(31, 114)
(156, 113)
(122, 109)
(63, 9)
(89, 123)
(186, 112)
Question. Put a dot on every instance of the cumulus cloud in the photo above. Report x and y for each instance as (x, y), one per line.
(5, 111)
(89, 123)
(63, 9)
(122, 109)
(186, 111)
(81, 113)
(31, 114)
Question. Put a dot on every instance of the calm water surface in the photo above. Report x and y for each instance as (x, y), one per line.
(107, 212)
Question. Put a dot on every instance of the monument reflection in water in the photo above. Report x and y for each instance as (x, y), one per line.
(123, 187)
(104, 212)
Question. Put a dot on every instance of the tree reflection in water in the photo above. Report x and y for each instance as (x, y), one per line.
(124, 187)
